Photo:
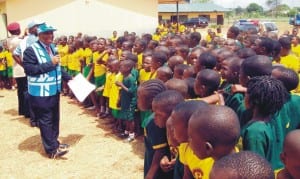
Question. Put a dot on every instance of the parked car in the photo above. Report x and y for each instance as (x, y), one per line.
(245, 26)
(196, 22)
(268, 27)
(260, 26)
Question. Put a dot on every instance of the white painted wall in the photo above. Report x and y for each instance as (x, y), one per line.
(93, 17)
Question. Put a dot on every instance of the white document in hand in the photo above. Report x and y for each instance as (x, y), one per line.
(81, 87)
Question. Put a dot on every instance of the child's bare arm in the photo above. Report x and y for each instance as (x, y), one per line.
(187, 173)
(120, 84)
(100, 59)
(238, 89)
(155, 165)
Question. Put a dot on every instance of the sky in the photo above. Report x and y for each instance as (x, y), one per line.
(245, 3)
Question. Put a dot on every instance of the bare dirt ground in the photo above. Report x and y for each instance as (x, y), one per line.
(95, 152)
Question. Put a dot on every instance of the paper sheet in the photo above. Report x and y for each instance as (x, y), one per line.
(81, 87)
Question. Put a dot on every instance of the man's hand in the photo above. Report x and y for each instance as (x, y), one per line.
(55, 59)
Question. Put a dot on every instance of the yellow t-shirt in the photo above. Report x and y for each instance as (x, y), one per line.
(181, 28)
(9, 58)
(119, 52)
(140, 61)
(113, 38)
(156, 37)
(99, 69)
(114, 94)
(108, 84)
(199, 168)
(290, 61)
(296, 50)
(75, 60)
(2, 61)
(208, 38)
(63, 51)
(144, 76)
(87, 54)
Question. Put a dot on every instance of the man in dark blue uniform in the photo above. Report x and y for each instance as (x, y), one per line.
(41, 64)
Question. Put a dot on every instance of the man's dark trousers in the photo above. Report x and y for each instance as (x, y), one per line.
(46, 111)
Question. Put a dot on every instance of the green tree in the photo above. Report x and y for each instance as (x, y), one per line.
(239, 10)
(273, 4)
(254, 8)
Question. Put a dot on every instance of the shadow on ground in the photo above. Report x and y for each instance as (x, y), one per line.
(23, 120)
(12, 112)
(34, 143)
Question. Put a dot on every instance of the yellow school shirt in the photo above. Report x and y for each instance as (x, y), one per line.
(9, 58)
(208, 38)
(144, 76)
(119, 52)
(2, 61)
(181, 28)
(108, 84)
(296, 50)
(99, 69)
(63, 51)
(199, 168)
(140, 61)
(156, 37)
(87, 54)
(114, 94)
(75, 60)
(290, 61)
(113, 38)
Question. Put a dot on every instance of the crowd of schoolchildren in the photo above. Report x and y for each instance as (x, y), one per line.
(211, 108)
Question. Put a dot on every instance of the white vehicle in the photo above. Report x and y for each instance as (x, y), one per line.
(265, 26)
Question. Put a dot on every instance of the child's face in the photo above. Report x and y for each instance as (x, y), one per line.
(160, 116)
(101, 45)
(125, 46)
(291, 160)
(142, 101)
(180, 131)
(124, 69)
(94, 47)
(199, 88)
(170, 133)
(193, 58)
(196, 141)
(227, 73)
(147, 63)
(115, 67)
(124, 55)
(243, 78)
(137, 48)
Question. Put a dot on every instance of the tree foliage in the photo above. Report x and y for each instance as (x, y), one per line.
(254, 8)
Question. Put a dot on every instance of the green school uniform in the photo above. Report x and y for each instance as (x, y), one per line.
(260, 137)
(128, 98)
(154, 138)
(236, 102)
